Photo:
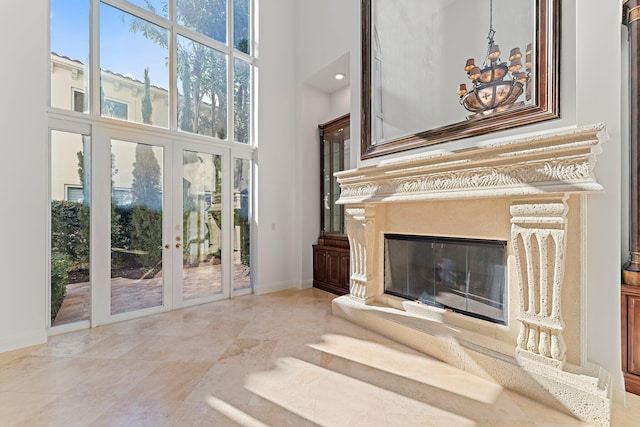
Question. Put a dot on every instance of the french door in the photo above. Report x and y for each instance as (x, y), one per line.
(142, 223)
(164, 219)
(198, 243)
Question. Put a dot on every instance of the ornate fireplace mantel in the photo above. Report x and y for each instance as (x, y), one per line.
(533, 177)
(555, 163)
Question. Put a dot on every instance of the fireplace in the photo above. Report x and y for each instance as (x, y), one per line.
(526, 196)
(467, 276)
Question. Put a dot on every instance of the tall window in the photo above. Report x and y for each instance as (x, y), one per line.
(145, 86)
(167, 63)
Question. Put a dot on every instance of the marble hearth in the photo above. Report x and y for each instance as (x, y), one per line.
(530, 192)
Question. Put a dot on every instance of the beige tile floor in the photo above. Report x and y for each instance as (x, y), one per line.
(275, 360)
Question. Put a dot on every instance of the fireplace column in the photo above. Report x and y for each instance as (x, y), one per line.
(538, 237)
(361, 233)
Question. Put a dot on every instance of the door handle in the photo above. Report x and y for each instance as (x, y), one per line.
(167, 246)
(178, 245)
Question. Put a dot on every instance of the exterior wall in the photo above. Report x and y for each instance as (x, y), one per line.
(68, 76)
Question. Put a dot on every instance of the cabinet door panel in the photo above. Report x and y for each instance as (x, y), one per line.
(633, 351)
(345, 271)
(333, 267)
(319, 265)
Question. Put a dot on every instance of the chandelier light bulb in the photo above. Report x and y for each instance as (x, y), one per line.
(471, 63)
(515, 54)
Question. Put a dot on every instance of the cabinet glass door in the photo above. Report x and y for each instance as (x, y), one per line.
(335, 143)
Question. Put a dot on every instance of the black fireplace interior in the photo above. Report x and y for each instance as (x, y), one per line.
(464, 275)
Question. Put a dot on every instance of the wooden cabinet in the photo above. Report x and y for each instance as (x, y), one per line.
(631, 337)
(331, 254)
(331, 266)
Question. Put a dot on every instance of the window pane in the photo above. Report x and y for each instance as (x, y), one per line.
(242, 221)
(241, 25)
(133, 74)
(69, 54)
(70, 286)
(202, 89)
(242, 100)
(206, 17)
(159, 7)
(136, 226)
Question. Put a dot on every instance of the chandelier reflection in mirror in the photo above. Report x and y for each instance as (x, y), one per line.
(496, 86)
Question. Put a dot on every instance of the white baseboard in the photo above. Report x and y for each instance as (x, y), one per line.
(267, 288)
(16, 342)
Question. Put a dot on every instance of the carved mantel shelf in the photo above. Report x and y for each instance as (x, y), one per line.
(561, 162)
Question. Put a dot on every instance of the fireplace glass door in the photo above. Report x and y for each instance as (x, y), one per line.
(465, 275)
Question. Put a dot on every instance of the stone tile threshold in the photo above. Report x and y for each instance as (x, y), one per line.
(276, 360)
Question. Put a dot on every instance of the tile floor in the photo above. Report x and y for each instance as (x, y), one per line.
(275, 360)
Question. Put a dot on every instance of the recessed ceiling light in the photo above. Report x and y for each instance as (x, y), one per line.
(339, 76)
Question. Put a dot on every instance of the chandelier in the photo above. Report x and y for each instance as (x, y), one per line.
(496, 86)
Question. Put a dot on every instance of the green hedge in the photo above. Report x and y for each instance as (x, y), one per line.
(70, 231)
(60, 266)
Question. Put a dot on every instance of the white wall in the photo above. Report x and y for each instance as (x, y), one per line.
(604, 211)
(588, 26)
(23, 175)
(325, 31)
(275, 216)
(340, 101)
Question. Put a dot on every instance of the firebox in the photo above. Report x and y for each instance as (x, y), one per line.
(464, 275)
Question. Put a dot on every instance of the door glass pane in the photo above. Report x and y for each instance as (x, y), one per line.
(241, 100)
(202, 89)
(206, 17)
(134, 76)
(136, 226)
(202, 225)
(70, 211)
(241, 25)
(69, 25)
(242, 224)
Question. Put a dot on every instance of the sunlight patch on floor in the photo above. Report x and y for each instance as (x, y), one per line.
(233, 413)
(420, 368)
(316, 393)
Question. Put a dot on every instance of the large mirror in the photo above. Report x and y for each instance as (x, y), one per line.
(440, 70)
